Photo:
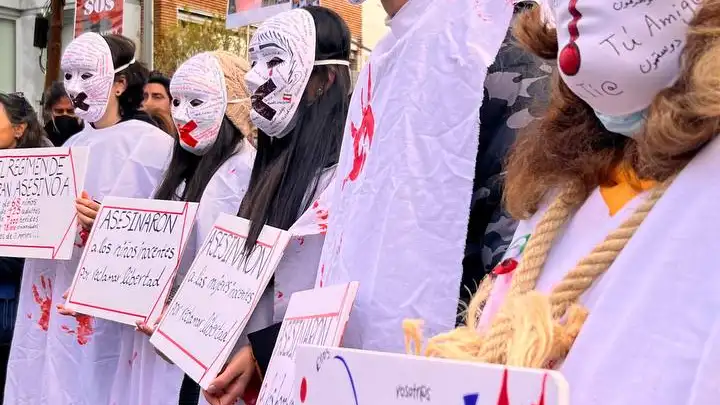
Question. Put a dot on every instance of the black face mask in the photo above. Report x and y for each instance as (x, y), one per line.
(60, 128)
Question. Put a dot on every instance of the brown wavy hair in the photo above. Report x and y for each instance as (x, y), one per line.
(569, 146)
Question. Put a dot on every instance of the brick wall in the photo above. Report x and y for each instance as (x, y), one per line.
(165, 13)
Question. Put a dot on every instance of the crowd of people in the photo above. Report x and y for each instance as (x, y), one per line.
(591, 194)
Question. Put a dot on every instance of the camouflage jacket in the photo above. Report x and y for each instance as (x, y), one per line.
(515, 91)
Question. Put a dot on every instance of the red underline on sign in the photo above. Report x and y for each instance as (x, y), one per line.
(107, 309)
(187, 353)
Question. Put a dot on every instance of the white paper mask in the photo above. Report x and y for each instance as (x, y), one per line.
(89, 75)
(199, 102)
(617, 55)
(282, 52)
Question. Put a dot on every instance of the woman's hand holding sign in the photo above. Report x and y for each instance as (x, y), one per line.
(61, 307)
(87, 210)
(230, 385)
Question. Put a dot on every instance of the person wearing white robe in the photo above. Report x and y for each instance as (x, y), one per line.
(613, 277)
(58, 359)
(211, 164)
(406, 169)
(300, 82)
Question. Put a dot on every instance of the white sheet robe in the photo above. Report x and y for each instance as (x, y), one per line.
(61, 360)
(652, 336)
(404, 183)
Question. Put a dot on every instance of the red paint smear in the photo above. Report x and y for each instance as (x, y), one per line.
(280, 295)
(44, 303)
(301, 240)
(366, 131)
(134, 356)
(303, 390)
(84, 234)
(185, 133)
(569, 58)
(322, 274)
(84, 329)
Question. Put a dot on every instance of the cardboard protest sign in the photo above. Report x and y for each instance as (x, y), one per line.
(38, 188)
(316, 317)
(331, 376)
(217, 297)
(131, 258)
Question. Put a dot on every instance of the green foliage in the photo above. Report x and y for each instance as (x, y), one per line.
(189, 38)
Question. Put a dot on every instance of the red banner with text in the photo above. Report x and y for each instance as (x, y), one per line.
(101, 16)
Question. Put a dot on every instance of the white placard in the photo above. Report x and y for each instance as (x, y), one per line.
(316, 317)
(217, 297)
(131, 258)
(332, 376)
(38, 188)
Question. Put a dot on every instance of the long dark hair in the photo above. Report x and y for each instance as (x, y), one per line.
(135, 75)
(196, 171)
(286, 170)
(19, 111)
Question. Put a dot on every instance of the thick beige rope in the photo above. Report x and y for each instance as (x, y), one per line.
(234, 68)
(527, 331)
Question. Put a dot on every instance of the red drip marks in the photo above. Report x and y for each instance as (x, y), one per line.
(569, 58)
(84, 234)
(322, 274)
(363, 135)
(185, 133)
(132, 359)
(303, 390)
(44, 302)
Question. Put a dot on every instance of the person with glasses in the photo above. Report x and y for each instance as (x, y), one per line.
(60, 120)
(19, 128)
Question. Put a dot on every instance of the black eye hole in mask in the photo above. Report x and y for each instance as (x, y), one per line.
(86, 76)
(176, 102)
(259, 105)
(196, 102)
(68, 76)
(274, 62)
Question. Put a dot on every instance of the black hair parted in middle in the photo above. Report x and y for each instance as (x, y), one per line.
(286, 171)
(196, 171)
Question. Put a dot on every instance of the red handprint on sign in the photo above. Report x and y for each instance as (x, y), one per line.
(84, 329)
(362, 136)
(44, 301)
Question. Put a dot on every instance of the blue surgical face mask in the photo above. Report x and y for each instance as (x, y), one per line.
(628, 125)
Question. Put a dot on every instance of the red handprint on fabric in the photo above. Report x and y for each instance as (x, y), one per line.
(43, 298)
(363, 135)
(83, 331)
(321, 215)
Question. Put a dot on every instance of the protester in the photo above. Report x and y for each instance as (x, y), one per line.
(19, 128)
(60, 120)
(400, 207)
(615, 188)
(211, 162)
(303, 55)
(156, 93)
(78, 357)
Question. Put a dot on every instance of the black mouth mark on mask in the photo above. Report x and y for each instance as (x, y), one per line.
(259, 105)
(79, 102)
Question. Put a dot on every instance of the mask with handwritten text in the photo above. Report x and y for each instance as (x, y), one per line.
(88, 74)
(282, 53)
(618, 54)
(199, 102)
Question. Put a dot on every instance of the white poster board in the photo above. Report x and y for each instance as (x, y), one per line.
(331, 376)
(217, 297)
(316, 317)
(131, 258)
(38, 188)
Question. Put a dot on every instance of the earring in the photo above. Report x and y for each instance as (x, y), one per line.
(319, 91)
(117, 94)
